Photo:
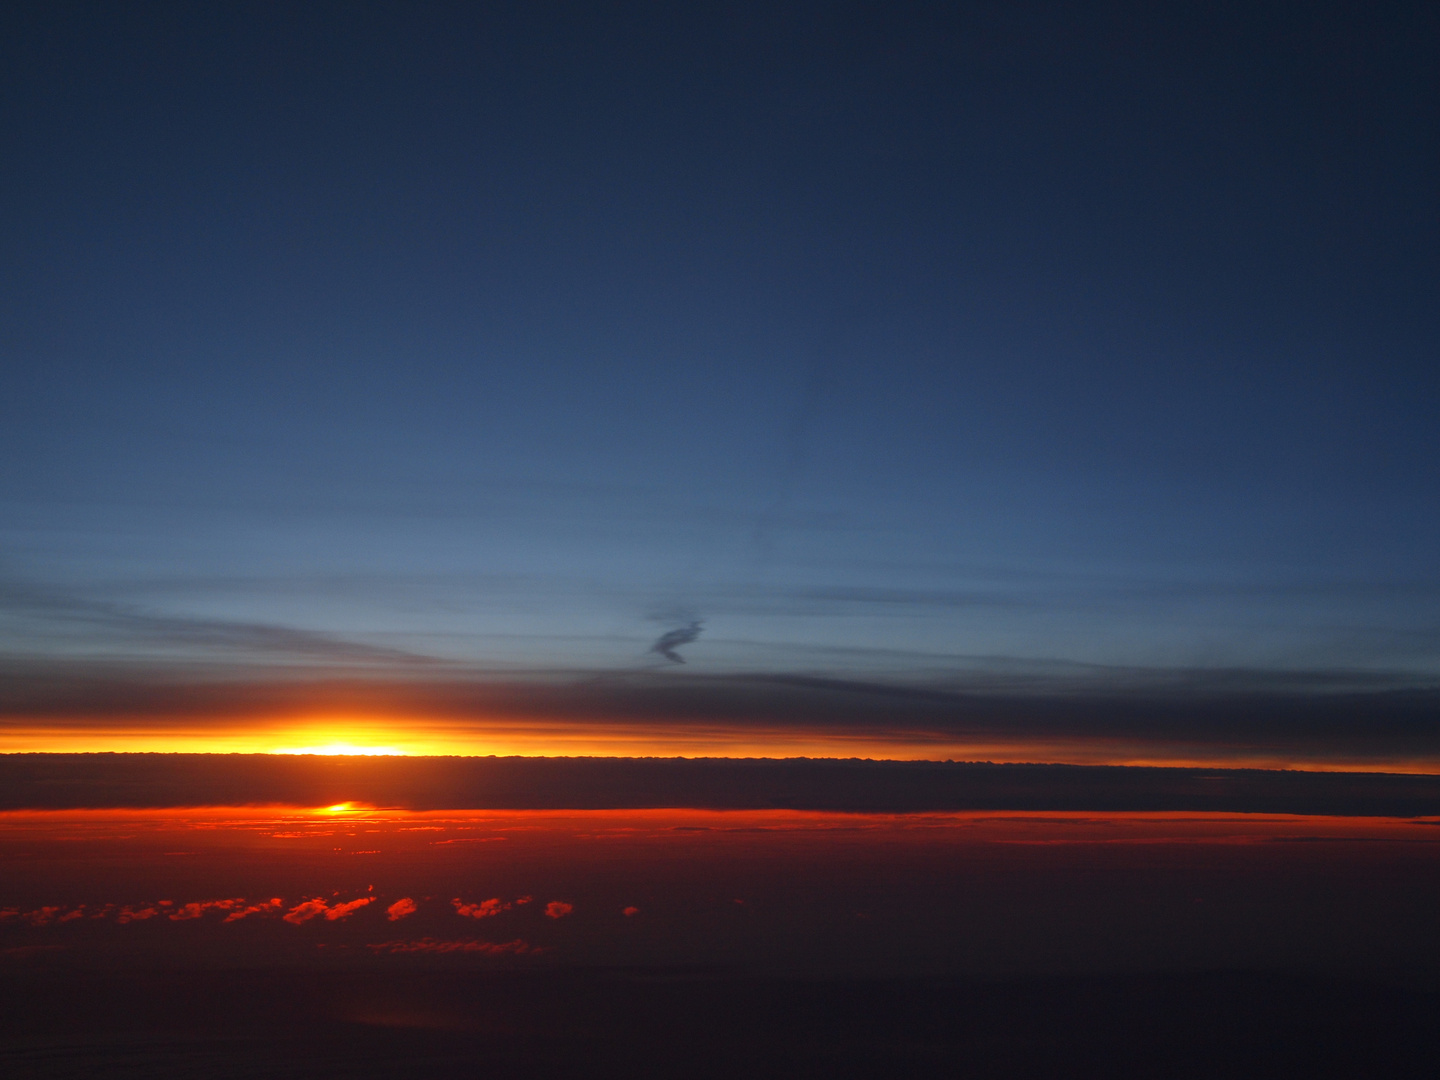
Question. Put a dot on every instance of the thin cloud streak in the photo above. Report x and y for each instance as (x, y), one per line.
(120, 624)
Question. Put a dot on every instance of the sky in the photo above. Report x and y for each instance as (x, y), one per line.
(825, 379)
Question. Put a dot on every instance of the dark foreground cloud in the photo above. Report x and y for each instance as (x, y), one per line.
(54, 781)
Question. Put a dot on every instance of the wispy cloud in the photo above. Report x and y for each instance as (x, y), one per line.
(119, 624)
(437, 946)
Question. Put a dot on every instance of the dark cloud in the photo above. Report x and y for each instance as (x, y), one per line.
(667, 643)
(157, 780)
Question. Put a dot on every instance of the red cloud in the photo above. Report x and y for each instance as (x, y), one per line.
(275, 903)
(305, 911)
(432, 945)
(629, 911)
(237, 908)
(400, 908)
(199, 907)
(341, 911)
(482, 910)
(558, 909)
(44, 916)
(311, 909)
(136, 914)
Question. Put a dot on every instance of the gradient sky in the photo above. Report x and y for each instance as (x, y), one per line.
(908, 343)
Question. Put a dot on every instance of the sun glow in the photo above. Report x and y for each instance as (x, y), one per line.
(363, 735)
(342, 748)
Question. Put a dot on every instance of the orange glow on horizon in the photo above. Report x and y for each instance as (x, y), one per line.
(341, 749)
(423, 737)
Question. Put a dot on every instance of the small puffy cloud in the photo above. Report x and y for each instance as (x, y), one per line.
(630, 912)
(482, 910)
(200, 907)
(306, 911)
(400, 908)
(44, 916)
(274, 904)
(314, 909)
(344, 911)
(558, 909)
(236, 908)
(130, 914)
(437, 947)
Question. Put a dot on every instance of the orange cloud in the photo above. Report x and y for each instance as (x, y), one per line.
(484, 909)
(435, 946)
(400, 908)
(558, 909)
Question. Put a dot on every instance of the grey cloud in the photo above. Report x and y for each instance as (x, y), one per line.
(667, 643)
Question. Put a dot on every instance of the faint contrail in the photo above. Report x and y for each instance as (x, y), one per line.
(671, 640)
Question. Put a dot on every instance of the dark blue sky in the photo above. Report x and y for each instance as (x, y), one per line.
(912, 342)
